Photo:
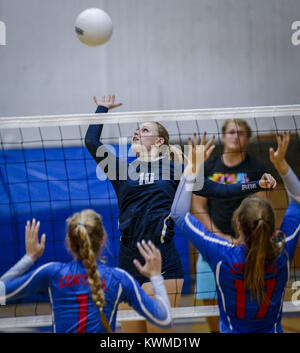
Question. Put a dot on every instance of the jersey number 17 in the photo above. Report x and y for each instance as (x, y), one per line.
(240, 287)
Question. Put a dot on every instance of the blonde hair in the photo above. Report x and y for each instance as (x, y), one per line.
(174, 152)
(257, 222)
(86, 232)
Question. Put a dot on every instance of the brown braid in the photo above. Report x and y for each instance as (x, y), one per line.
(85, 231)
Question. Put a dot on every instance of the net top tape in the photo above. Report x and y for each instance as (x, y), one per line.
(147, 116)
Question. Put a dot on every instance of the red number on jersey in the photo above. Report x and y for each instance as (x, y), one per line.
(82, 312)
(239, 285)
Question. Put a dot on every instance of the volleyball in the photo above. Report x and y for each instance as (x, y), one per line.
(93, 27)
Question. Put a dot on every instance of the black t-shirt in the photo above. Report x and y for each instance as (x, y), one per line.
(221, 210)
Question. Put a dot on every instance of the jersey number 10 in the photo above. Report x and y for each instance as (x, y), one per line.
(146, 178)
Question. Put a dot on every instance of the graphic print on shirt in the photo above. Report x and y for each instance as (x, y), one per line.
(230, 178)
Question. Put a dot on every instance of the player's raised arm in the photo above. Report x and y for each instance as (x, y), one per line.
(212, 189)
(106, 160)
(34, 250)
(209, 244)
(93, 134)
(197, 155)
(290, 226)
(19, 284)
(278, 159)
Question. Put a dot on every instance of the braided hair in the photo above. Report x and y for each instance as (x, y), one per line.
(86, 233)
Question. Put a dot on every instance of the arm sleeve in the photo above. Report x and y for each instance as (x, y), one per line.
(103, 156)
(93, 134)
(33, 282)
(212, 189)
(292, 185)
(18, 269)
(291, 221)
(157, 310)
(182, 200)
(291, 228)
(210, 245)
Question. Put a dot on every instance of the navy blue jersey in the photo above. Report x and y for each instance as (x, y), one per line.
(72, 305)
(239, 312)
(145, 190)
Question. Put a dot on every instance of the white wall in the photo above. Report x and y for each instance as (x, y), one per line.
(167, 54)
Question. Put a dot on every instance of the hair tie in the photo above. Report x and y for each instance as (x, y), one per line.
(80, 224)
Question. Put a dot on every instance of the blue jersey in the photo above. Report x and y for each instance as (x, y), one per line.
(145, 191)
(72, 305)
(239, 312)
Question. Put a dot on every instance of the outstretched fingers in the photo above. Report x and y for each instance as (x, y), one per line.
(152, 258)
(34, 247)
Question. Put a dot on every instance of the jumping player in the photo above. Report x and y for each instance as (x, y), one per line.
(251, 277)
(81, 289)
(145, 200)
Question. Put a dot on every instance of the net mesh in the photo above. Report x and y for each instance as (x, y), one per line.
(47, 173)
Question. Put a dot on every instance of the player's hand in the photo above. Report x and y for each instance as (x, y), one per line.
(198, 153)
(108, 102)
(34, 248)
(237, 241)
(278, 157)
(267, 181)
(152, 256)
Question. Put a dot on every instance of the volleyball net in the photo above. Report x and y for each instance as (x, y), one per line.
(47, 173)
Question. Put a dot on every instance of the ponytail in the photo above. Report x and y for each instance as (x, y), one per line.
(256, 258)
(255, 218)
(81, 245)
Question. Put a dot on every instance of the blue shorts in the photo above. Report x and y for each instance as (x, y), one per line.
(171, 263)
(205, 280)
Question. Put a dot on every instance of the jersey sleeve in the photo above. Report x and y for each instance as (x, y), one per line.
(291, 228)
(291, 221)
(157, 310)
(104, 157)
(212, 247)
(18, 269)
(36, 281)
(212, 189)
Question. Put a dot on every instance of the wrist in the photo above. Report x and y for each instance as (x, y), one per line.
(282, 168)
(155, 274)
(188, 172)
(156, 277)
(32, 257)
(102, 109)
